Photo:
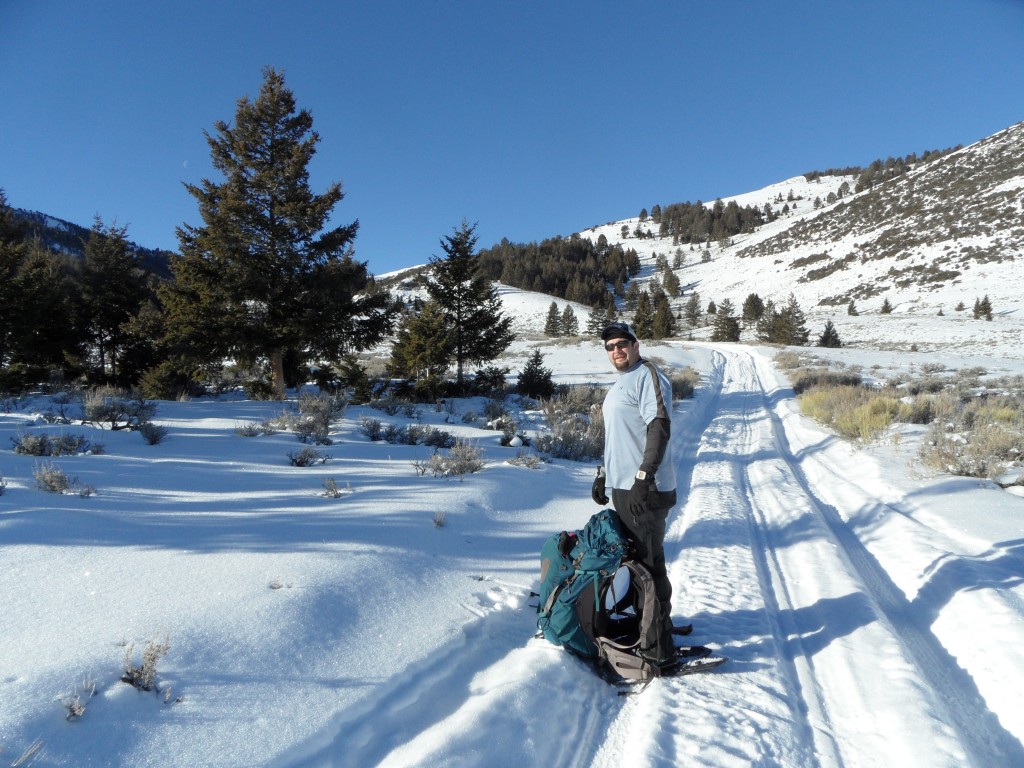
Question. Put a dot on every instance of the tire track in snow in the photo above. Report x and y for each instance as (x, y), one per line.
(945, 692)
(745, 713)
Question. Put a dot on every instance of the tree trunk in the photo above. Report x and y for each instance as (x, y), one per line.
(277, 372)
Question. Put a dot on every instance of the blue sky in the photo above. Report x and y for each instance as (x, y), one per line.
(531, 119)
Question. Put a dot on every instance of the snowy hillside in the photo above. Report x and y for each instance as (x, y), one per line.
(948, 232)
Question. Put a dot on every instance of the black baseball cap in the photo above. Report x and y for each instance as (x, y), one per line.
(619, 331)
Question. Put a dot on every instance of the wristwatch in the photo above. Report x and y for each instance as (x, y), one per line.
(642, 475)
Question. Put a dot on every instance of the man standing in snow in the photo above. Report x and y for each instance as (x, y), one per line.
(638, 468)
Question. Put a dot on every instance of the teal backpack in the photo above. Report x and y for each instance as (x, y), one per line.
(594, 601)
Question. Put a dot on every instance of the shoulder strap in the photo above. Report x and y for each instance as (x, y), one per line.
(658, 392)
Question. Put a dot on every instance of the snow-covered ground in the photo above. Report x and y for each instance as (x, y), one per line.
(873, 615)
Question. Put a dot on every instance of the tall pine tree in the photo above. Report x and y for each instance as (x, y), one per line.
(553, 323)
(568, 323)
(113, 290)
(477, 330)
(262, 277)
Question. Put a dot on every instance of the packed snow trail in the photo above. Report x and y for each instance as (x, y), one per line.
(828, 666)
(831, 665)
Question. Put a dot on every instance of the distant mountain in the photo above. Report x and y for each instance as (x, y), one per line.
(63, 236)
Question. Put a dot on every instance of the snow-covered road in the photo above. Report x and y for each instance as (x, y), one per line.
(798, 559)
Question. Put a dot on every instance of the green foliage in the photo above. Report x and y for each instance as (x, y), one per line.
(569, 325)
(39, 307)
(783, 326)
(726, 326)
(477, 330)
(553, 323)
(535, 380)
(663, 324)
(983, 308)
(262, 276)
(422, 346)
(643, 317)
(753, 308)
(692, 311)
(572, 268)
(697, 223)
(830, 336)
(489, 381)
(113, 290)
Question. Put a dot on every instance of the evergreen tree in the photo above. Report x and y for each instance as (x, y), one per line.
(421, 345)
(569, 324)
(553, 324)
(753, 308)
(632, 295)
(783, 326)
(664, 324)
(113, 290)
(725, 327)
(830, 336)
(795, 323)
(766, 329)
(12, 255)
(851, 308)
(261, 277)
(670, 282)
(535, 380)
(596, 321)
(477, 329)
(691, 310)
(40, 332)
(886, 307)
(47, 334)
(643, 318)
(983, 308)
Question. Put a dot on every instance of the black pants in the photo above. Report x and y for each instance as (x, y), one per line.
(647, 534)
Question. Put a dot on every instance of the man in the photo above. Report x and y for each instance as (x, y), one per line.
(638, 468)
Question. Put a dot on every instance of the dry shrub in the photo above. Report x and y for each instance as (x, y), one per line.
(143, 676)
(684, 382)
(853, 412)
(576, 424)
(978, 437)
(463, 458)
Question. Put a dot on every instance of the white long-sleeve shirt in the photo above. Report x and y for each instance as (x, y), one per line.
(640, 395)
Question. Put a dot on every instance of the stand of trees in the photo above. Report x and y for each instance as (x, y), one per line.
(571, 268)
(696, 223)
(261, 281)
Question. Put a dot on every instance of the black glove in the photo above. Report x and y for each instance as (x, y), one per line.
(597, 492)
(637, 501)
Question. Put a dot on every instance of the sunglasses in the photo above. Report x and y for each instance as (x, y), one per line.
(620, 344)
